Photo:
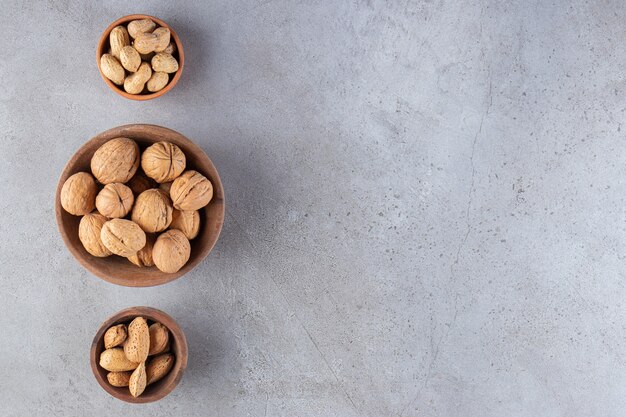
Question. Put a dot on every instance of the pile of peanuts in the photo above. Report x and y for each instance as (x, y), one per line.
(143, 67)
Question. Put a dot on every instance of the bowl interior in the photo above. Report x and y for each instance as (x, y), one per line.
(178, 346)
(103, 47)
(119, 270)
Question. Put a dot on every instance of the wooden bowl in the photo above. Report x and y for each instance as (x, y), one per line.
(103, 46)
(118, 270)
(178, 346)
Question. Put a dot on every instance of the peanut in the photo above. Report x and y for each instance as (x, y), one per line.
(146, 42)
(164, 39)
(157, 81)
(130, 58)
(163, 62)
(118, 39)
(134, 83)
(171, 48)
(112, 69)
(137, 27)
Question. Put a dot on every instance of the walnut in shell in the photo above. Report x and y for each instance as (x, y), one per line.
(144, 256)
(115, 161)
(140, 183)
(122, 237)
(78, 194)
(152, 211)
(187, 222)
(171, 251)
(166, 187)
(163, 161)
(191, 191)
(89, 230)
(115, 200)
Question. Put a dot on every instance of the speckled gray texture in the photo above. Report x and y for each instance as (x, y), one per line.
(425, 207)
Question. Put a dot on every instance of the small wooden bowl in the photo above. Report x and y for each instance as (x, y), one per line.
(103, 46)
(178, 346)
(119, 270)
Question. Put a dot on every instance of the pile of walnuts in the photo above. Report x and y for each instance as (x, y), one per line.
(146, 215)
(136, 355)
(145, 65)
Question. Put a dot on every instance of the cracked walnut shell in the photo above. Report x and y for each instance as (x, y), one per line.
(152, 211)
(89, 230)
(191, 191)
(163, 161)
(123, 237)
(115, 161)
(78, 195)
(171, 251)
(115, 200)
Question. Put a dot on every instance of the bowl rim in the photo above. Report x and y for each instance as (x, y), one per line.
(140, 97)
(149, 313)
(128, 131)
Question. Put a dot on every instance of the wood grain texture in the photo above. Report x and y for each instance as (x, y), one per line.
(119, 270)
(103, 46)
(178, 346)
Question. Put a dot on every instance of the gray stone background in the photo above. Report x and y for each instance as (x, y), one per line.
(425, 207)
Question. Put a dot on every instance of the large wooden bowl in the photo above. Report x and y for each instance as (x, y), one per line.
(178, 346)
(103, 47)
(119, 270)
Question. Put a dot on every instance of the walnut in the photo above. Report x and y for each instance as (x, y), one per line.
(140, 183)
(144, 256)
(163, 161)
(166, 186)
(171, 251)
(115, 200)
(122, 237)
(89, 234)
(191, 191)
(115, 161)
(152, 211)
(187, 222)
(78, 195)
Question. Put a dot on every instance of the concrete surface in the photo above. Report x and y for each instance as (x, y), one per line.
(425, 208)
